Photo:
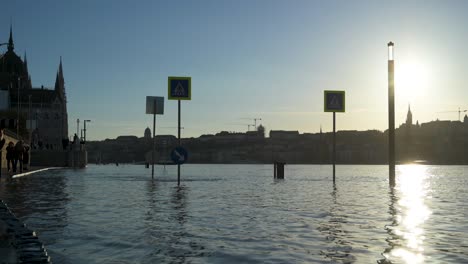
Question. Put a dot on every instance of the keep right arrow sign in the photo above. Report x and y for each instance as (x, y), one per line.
(179, 155)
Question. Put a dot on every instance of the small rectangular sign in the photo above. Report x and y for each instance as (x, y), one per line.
(179, 88)
(155, 105)
(334, 101)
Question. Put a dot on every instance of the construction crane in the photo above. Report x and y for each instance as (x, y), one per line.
(255, 121)
(459, 112)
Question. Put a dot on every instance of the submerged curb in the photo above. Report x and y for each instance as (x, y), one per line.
(33, 171)
(25, 243)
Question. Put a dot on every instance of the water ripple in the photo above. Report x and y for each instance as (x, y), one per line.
(239, 214)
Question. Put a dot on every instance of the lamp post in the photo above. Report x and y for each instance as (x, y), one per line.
(77, 127)
(391, 114)
(84, 124)
(18, 109)
(30, 121)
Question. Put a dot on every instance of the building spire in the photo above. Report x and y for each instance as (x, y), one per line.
(25, 63)
(60, 81)
(11, 46)
(409, 116)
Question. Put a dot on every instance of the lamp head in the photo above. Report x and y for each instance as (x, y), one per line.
(390, 51)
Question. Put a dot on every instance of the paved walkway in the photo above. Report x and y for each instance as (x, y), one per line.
(8, 251)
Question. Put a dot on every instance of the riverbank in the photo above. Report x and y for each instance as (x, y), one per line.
(17, 242)
(31, 170)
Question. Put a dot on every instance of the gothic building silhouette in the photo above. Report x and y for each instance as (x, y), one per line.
(43, 109)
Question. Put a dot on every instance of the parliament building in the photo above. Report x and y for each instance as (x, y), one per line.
(37, 114)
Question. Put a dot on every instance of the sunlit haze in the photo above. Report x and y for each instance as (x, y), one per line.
(247, 59)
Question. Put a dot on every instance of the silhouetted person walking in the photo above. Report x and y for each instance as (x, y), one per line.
(2, 143)
(19, 149)
(25, 157)
(10, 156)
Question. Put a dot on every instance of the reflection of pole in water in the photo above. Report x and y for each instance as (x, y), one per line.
(340, 250)
(392, 238)
(180, 203)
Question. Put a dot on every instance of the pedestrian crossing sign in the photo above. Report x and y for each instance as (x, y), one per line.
(334, 101)
(179, 88)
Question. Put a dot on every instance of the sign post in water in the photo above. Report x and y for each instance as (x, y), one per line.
(155, 106)
(179, 88)
(334, 101)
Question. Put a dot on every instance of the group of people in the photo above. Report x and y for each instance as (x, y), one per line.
(17, 155)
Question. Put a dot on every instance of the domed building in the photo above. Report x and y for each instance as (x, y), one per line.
(147, 133)
(42, 109)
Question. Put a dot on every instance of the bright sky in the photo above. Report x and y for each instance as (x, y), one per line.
(247, 59)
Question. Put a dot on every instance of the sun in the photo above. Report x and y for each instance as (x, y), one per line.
(412, 80)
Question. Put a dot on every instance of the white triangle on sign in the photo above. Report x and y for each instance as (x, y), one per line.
(335, 103)
(179, 90)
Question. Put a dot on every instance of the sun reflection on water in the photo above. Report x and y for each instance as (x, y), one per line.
(412, 190)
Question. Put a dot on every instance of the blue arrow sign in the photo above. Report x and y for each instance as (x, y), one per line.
(179, 155)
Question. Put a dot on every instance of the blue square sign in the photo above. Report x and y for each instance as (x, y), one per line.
(179, 88)
(334, 101)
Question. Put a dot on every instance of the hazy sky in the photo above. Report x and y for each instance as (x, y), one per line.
(247, 59)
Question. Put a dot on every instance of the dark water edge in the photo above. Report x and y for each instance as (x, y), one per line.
(239, 214)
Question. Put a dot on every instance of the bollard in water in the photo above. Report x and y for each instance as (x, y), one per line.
(279, 170)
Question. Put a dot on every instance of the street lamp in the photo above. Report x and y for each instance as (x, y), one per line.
(18, 109)
(391, 114)
(390, 50)
(84, 137)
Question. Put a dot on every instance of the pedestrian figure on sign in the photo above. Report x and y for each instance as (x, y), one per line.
(10, 156)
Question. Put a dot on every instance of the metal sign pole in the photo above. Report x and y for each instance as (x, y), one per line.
(334, 102)
(154, 106)
(178, 135)
(334, 144)
(154, 141)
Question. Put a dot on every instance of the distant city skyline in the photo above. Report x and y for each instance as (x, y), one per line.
(247, 59)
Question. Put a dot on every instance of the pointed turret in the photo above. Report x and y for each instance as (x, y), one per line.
(57, 82)
(60, 81)
(60, 68)
(409, 116)
(11, 46)
(26, 63)
(60, 89)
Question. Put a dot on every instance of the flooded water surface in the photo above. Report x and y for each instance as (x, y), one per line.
(240, 214)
